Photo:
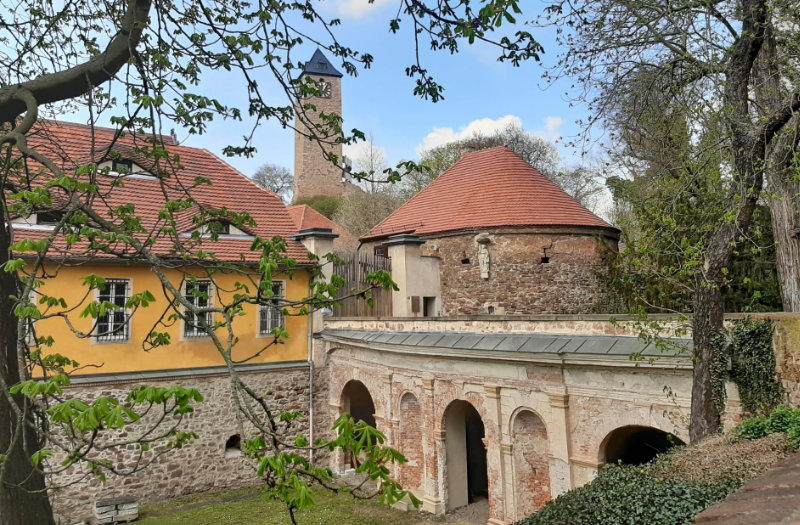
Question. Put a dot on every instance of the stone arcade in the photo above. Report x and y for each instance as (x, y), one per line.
(519, 409)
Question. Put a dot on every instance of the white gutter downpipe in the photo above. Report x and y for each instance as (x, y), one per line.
(310, 384)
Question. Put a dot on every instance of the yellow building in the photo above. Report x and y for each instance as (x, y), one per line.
(204, 252)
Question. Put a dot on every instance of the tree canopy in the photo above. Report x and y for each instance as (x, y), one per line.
(277, 179)
(705, 62)
(142, 67)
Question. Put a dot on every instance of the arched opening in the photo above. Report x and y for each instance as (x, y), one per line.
(233, 447)
(410, 444)
(531, 463)
(636, 445)
(465, 454)
(357, 401)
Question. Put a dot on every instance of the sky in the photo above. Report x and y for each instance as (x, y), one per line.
(481, 94)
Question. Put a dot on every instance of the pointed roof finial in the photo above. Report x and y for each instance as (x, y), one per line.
(320, 65)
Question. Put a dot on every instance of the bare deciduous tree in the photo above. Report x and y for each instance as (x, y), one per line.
(623, 51)
(277, 179)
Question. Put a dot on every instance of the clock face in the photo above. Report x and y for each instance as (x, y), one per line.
(325, 89)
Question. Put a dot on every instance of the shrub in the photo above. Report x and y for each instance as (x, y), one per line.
(327, 206)
(631, 495)
(781, 420)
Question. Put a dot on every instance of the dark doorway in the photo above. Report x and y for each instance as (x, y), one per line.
(357, 402)
(467, 476)
(637, 445)
(477, 477)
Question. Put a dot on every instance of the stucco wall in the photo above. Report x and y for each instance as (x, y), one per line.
(546, 423)
(182, 352)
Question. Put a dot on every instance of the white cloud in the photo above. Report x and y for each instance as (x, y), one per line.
(357, 9)
(488, 126)
(484, 126)
(554, 128)
(359, 151)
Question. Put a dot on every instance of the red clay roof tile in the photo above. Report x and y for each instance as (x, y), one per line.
(306, 217)
(488, 188)
(71, 145)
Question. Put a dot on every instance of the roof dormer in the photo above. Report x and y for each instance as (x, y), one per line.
(124, 167)
(222, 228)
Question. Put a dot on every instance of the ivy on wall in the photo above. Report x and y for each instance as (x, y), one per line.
(753, 365)
(719, 371)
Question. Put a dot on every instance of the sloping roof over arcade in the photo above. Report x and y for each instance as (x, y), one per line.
(509, 345)
(488, 188)
(70, 145)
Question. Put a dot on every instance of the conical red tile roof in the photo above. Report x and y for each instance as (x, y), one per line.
(488, 188)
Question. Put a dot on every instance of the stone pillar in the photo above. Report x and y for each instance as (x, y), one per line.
(560, 445)
(318, 241)
(432, 445)
(337, 458)
(404, 252)
(507, 456)
(435, 503)
(494, 459)
(388, 416)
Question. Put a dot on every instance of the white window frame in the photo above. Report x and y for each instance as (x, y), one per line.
(188, 330)
(270, 313)
(122, 316)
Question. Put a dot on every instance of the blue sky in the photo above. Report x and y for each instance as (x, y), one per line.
(481, 94)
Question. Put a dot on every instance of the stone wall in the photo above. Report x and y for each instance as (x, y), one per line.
(314, 174)
(588, 324)
(202, 465)
(787, 353)
(519, 282)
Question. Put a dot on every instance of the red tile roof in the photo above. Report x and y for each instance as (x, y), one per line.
(305, 217)
(488, 188)
(70, 145)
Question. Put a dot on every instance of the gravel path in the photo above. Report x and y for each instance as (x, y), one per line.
(477, 513)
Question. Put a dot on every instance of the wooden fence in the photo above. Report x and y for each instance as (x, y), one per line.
(354, 272)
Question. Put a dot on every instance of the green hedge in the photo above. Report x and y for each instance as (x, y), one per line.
(630, 495)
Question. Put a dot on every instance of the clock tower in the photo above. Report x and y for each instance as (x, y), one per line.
(314, 174)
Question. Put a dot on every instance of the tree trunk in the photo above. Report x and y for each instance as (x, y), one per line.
(708, 317)
(23, 495)
(786, 229)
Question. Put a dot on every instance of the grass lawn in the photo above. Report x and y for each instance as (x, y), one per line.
(251, 507)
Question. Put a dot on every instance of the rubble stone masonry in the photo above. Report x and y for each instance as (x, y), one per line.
(521, 280)
(203, 464)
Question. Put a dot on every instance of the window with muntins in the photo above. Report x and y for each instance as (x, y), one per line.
(114, 326)
(199, 294)
(272, 311)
